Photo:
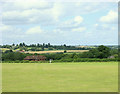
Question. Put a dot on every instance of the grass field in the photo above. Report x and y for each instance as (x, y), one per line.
(4, 49)
(60, 77)
(56, 51)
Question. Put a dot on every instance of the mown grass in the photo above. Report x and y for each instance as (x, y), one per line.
(60, 77)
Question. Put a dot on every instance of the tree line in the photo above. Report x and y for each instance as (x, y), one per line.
(99, 53)
(41, 47)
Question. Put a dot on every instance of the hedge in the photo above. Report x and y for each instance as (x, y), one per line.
(65, 60)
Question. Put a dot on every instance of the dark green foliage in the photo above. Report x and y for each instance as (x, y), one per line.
(50, 48)
(100, 54)
(103, 52)
(13, 44)
(86, 60)
(43, 48)
(55, 56)
(49, 45)
(8, 51)
(65, 51)
(13, 56)
(6, 46)
(113, 51)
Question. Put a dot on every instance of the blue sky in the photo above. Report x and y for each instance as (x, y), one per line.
(71, 23)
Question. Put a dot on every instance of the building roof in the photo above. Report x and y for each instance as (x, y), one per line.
(36, 57)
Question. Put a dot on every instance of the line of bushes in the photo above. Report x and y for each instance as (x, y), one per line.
(65, 60)
(100, 54)
(87, 60)
(24, 61)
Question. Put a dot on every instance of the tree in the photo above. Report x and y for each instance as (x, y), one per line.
(100, 52)
(48, 44)
(20, 44)
(64, 45)
(38, 45)
(50, 48)
(43, 44)
(18, 56)
(13, 44)
(42, 48)
(93, 53)
(103, 51)
(13, 56)
(65, 51)
(24, 44)
(17, 45)
(8, 51)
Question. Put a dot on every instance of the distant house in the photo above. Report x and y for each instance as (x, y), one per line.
(22, 51)
(35, 58)
(111, 57)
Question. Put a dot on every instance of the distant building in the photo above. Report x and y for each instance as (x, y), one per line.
(111, 57)
(35, 58)
(22, 51)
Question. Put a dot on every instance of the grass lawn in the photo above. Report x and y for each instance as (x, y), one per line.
(60, 77)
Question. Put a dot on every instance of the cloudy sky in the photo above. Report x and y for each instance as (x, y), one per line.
(72, 23)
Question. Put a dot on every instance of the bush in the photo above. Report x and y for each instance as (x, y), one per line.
(87, 60)
(13, 56)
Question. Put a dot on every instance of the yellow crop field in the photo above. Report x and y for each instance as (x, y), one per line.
(56, 51)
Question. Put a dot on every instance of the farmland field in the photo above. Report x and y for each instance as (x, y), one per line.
(60, 77)
(55, 51)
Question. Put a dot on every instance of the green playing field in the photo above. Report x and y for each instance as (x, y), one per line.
(60, 77)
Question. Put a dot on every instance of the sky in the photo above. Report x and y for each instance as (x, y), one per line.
(71, 23)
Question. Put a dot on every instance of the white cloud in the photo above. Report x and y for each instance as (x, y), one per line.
(26, 4)
(26, 12)
(37, 11)
(71, 23)
(58, 31)
(12, 15)
(28, 17)
(11, 33)
(57, 10)
(5, 28)
(34, 30)
(78, 8)
(62, 20)
(95, 25)
(79, 29)
(111, 17)
(105, 27)
(78, 19)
